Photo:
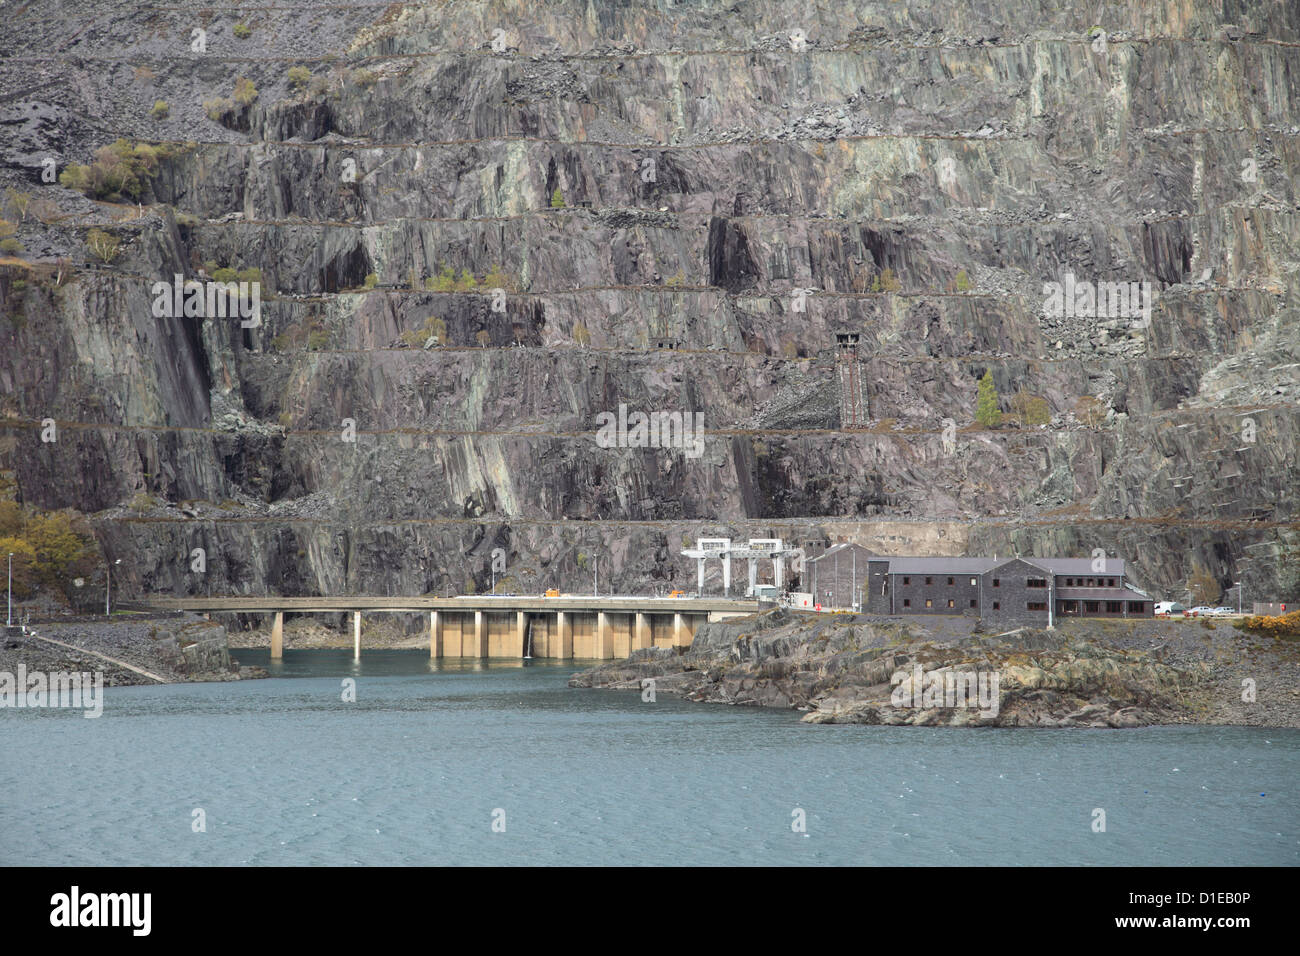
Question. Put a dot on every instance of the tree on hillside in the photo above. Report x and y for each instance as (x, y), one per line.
(1205, 589)
(987, 412)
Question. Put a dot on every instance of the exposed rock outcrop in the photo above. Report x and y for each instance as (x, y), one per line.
(635, 175)
(869, 670)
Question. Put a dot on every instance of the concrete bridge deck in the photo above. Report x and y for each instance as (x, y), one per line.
(502, 626)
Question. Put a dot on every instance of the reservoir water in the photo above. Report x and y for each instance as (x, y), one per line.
(419, 767)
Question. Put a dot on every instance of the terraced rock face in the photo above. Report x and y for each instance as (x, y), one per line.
(473, 243)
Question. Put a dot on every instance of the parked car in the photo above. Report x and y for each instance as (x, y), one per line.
(1202, 611)
(1169, 607)
(1223, 612)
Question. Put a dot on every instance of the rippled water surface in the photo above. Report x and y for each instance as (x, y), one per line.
(414, 771)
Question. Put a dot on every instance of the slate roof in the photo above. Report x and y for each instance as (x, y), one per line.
(1071, 566)
(844, 550)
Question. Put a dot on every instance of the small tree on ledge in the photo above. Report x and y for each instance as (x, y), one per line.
(557, 199)
(987, 412)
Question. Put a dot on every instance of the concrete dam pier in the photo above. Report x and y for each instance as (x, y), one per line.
(571, 626)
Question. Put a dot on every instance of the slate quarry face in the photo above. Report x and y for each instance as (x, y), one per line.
(682, 204)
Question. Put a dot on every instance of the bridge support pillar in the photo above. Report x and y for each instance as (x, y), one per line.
(277, 636)
(677, 630)
(604, 648)
(641, 631)
(356, 635)
(564, 635)
(521, 632)
(435, 634)
(480, 635)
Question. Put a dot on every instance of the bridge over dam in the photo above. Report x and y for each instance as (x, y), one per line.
(497, 626)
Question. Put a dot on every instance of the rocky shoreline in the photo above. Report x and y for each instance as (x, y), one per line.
(862, 669)
(128, 650)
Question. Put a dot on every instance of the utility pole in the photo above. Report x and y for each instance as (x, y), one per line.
(837, 578)
(108, 581)
(10, 621)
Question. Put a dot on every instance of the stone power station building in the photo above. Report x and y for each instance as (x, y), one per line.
(1009, 590)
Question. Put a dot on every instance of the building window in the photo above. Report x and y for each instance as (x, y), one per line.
(997, 583)
(907, 602)
(972, 602)
(929, 580)
(929, 603)
(997, 605)
(1037, 605)
(1110, 582)
(950, 603)
(1036, 583)
(1091, 607)
(950, 582)
(1135, 607)
(1069, 582)
(972, 582)
(907, 580)
(1114, 607)
(1091, 582)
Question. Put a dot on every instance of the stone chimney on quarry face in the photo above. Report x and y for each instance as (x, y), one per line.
(854, 412)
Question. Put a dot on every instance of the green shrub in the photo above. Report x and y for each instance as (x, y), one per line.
(364, 78)
(103, 245)
(1031, 409)
(433, 326)
(50, 549)
(1282, 626)
(224, 275)
(963, 281)
(557, 199)
(317, 339)
(987, 412)
(20, 202)
(372, 280)
(160, 109)
(243, 31)
(11, 247)
(252, 274)
(299, 77)
(218, 107)
(496, 279)
(245, 91)
(119, 171)
(445, 281)
(466, 281)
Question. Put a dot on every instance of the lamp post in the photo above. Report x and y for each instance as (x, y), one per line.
(1237, 585)
(10, 620)
(108, 581)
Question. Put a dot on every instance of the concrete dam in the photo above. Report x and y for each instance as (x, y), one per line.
(571, 626)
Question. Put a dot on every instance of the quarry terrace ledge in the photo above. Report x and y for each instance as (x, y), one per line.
(513, 626)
